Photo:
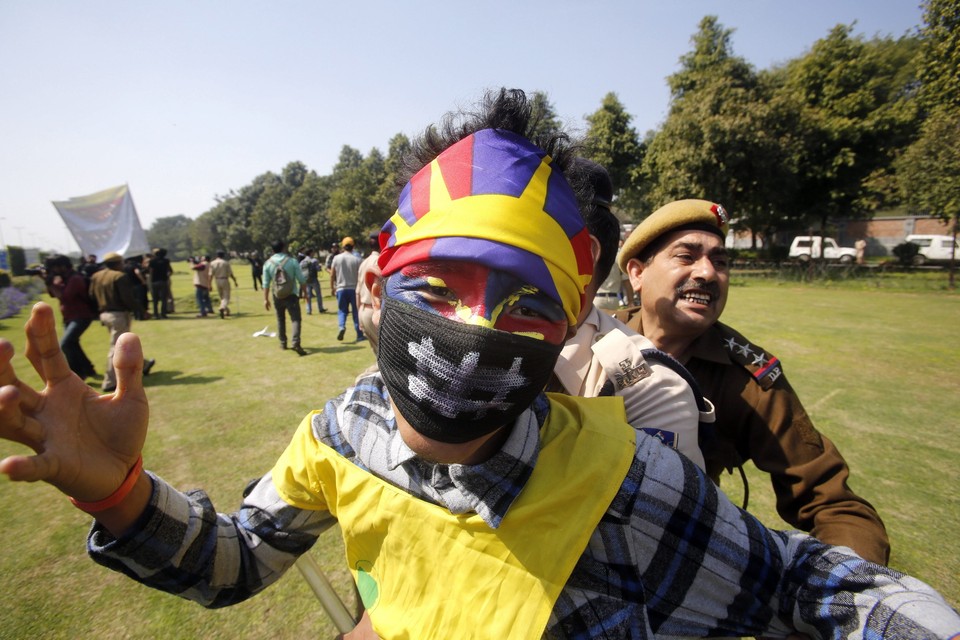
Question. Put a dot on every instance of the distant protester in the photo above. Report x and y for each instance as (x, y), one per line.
(310, 267)
(160, 272)
(77, 307)
(283, 280)
(201, 286)
(344, 270)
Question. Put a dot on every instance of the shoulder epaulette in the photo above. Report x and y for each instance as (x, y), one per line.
(763, 366)
(623, 315)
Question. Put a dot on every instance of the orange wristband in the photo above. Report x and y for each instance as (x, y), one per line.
(117, 496)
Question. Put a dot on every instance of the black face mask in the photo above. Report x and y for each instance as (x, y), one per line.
(456, 382)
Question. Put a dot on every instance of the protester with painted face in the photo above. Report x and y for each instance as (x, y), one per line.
(552, 519)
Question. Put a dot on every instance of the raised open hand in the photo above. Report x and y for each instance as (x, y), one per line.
(85, 443)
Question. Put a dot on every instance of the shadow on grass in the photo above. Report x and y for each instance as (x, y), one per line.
(162, 378)
(340, 348)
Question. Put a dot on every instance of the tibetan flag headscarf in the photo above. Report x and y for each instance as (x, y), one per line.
(493, 198)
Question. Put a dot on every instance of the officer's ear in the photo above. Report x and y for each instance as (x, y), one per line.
(594, 249)
(635, 269)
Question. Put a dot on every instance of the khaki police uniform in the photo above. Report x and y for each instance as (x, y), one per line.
(220, 274)
(657, 400)
(113, 292)
(760, 418)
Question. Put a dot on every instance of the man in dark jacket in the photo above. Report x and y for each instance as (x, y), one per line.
(78, 309)
(160, 272)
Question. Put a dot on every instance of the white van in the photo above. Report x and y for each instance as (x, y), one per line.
(933, 248)
(805, 247)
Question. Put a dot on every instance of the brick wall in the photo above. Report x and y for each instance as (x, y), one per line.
(883, 234)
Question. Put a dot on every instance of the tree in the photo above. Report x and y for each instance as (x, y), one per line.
(722, 138)
(389, 190)
(613, 143)
(232, 218)
(357, 202)
(545, 116)
(897, 119)
(270, 218)
(309, 223)
(711, 53)
(203, 235)
(293, 175)
(173, 234)
(852, 119)
(929, 169)
(940, 56)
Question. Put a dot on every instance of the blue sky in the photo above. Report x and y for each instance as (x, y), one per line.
(185, 101)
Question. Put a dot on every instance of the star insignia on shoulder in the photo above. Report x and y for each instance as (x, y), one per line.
(759, 360)
(745, 349)
(731, 343)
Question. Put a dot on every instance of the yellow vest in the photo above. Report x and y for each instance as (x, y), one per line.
(425, 573)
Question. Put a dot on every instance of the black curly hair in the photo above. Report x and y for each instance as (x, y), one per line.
(506, 109)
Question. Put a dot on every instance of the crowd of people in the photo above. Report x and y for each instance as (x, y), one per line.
(117, 290)
(520, 463)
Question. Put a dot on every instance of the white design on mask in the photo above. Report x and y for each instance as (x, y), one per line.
(462, 381)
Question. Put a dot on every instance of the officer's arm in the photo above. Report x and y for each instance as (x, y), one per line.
(809, 475)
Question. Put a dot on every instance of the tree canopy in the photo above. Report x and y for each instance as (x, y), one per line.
(721, 140)
(929, 169)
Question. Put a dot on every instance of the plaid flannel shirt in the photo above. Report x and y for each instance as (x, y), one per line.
(671, 557)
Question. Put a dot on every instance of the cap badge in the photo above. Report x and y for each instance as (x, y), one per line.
(721, 214)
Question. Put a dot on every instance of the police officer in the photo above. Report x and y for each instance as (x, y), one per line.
(112, 290)
(677, 263)
(605, 357)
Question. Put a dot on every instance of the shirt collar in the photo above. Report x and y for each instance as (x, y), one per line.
(707, 346)
(487, 489)
(576, 356)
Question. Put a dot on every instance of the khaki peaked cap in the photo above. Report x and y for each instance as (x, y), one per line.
(680, 213)
(113, 256)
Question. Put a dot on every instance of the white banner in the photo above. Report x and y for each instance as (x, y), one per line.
(103, 222)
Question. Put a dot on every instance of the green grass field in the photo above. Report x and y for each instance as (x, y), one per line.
(879, 371)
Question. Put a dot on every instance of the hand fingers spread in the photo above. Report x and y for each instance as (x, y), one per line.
(43, 349)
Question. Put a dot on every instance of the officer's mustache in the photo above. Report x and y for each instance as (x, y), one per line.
(711, 288)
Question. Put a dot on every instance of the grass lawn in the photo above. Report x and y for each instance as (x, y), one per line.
(879, 372)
